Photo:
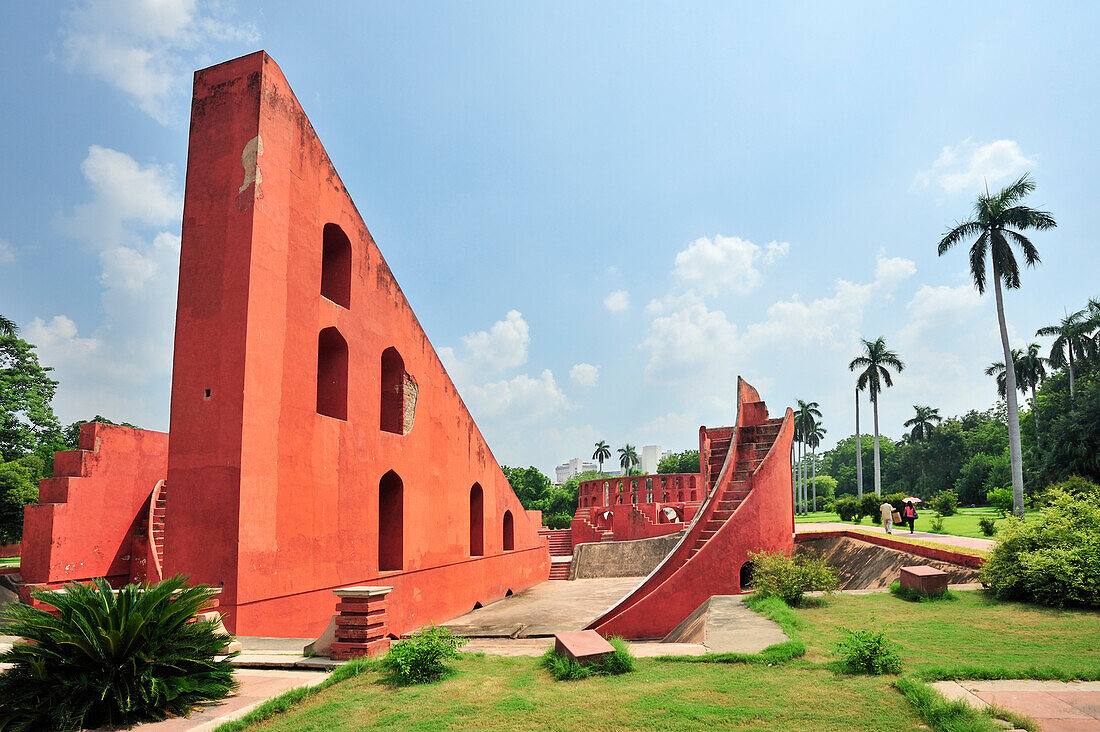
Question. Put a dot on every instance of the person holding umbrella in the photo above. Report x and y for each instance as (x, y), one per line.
(909, 513)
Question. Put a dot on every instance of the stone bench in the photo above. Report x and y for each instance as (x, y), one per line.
(924, 579)
(583, 646)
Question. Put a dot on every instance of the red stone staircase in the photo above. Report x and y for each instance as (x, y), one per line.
(747, 508)
(561, 551)
(753, 445)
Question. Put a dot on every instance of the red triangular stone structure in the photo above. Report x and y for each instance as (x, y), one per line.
(749, 507)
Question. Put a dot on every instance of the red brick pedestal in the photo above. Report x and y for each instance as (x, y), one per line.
(360, 622)
(925, 580)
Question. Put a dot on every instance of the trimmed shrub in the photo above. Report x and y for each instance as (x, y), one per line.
(847, 507)
(564, 668)
(1053, 561)
(109, 660)
(868, 651)
(869, 506)
(987, 526)
(946, 502)
(1074, 486)
(894, 499)
(422, 657)
(789, 578)
(1001, 499)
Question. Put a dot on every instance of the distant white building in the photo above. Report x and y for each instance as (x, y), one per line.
(651, 455)
(565, 471)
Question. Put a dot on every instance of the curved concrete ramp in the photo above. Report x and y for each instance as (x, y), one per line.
(723, 624)
(863, 566)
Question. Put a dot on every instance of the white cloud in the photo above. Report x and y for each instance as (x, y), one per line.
(968, 166)
(148, 48)
(7, 252)
(894, 268)
(618, 301)
(585, 374)
(688, 337)
(502, 347)
(724, 264)
(522, 398)
(125, 193)
(122, 367)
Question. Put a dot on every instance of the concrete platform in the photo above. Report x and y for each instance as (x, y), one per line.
(554, 606)
(723, 624)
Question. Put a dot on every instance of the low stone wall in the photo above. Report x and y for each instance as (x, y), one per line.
(866, 565)
(621, 558)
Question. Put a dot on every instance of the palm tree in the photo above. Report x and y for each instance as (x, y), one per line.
(1072, 341)
(813, 439)
(998, 219)
(876, 362)
(922, 422)
(1030, 370)
(8, 327)
(805, 418)
(859, 451)
(603, 452)
(628, 458)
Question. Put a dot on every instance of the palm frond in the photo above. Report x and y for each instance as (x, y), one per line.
(977, 261)
(961, 231)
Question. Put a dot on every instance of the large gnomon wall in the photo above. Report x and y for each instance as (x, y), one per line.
(316, 439)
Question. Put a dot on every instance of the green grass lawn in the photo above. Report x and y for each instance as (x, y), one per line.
(9, 561)
(937, 640)
(963, 523)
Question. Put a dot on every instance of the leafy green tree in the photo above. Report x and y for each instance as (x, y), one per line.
(8, 327)
(603, 452)
(1072, 341)
(628, 458)
(922, 422)
(998, 220)
(26, 417)
(826, 487)
(680, 462)
(876, 362)
(18, 487)
(529, 485)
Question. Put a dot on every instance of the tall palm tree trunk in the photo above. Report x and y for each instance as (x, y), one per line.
(859, 452)
(798, 488)
(1069, 347)
(794, 482)
(813, 464)
(1035, 416)
(1014, 454)
(878, 467)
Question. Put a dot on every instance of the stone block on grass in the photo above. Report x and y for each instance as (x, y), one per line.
(583, 646)
(925, 580)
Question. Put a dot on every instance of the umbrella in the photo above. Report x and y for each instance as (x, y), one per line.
(911, 499)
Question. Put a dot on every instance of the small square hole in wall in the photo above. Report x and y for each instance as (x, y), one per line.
(206, 394)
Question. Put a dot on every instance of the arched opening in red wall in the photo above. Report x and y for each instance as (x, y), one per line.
(336, 266)
(477, 521)
(509, 532)
(745, 576)
(332, 374)
(391, 550)
(393, 397)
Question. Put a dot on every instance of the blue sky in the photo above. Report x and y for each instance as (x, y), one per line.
(601, 215)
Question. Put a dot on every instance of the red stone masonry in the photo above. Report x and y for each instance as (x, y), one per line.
(944, 555)
(360, 623)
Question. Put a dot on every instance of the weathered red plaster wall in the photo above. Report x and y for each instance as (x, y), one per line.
(632, 515)
(269, 499)
(9, 550)
(83, 523)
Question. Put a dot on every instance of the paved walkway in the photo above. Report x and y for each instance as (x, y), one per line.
(1057, 706)
(554, 606)
(256, 687)
(965, 542)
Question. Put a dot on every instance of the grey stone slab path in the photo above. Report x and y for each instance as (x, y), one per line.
(965, 542)
(732, 628)
(256, 687)
(1057, 706)
(554, 606)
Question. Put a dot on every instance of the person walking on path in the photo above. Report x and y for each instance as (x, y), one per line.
(887, 516)
(909, 513)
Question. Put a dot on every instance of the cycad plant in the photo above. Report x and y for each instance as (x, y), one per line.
(110, 658)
